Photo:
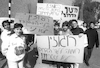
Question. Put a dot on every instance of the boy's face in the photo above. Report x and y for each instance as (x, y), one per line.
(74, 24)
(6, 26)
(56, 27)
(92, 25)
(18, 31)
(84, 25)
(65, 28)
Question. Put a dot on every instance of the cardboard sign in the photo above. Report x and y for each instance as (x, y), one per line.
(69, 12)
(62, 48)
(58, 11)
(49, 9)
(36, 24)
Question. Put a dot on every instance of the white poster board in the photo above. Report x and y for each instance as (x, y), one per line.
(69, 12)
(61, 48)
(49, 9)
(58, 11)
(36, 24)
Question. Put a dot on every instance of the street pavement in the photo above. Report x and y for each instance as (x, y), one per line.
(94, 60)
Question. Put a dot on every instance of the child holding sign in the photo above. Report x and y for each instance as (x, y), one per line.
(66, 29)
(16, 47)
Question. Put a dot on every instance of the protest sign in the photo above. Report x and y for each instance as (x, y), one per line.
(36, 24)
(58, 11)
(49, 9)
(61, 48)
(69, 12)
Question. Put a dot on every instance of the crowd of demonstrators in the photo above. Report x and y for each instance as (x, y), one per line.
(92, 36)
(16, 45)
(70, 28)
(92, 30)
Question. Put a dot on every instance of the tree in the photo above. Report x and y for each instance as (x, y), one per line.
(96, 9)
(91, 11)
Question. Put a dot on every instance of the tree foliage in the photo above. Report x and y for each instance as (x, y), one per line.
(91, 10)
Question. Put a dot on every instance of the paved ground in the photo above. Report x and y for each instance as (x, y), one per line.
(94, 61)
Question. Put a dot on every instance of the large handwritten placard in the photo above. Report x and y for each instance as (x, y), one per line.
(49, 9)
(69, 12)
(62, 48)
(58, 11)
(36, 24)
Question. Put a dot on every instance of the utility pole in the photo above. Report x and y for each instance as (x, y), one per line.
(9, 11)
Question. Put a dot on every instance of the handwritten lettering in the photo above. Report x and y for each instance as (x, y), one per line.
(46, 50)
(48, 13)
(58, 41)
(71, 10)
(68, 15)
(52, 6)
(72, 51)
(42, 30)
(65, 58)
(50, 56)
(61, 48)
(58, 51)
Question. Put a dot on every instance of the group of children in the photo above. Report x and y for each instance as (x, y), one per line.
(72, 28)
(15, 43)
(67, 28)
